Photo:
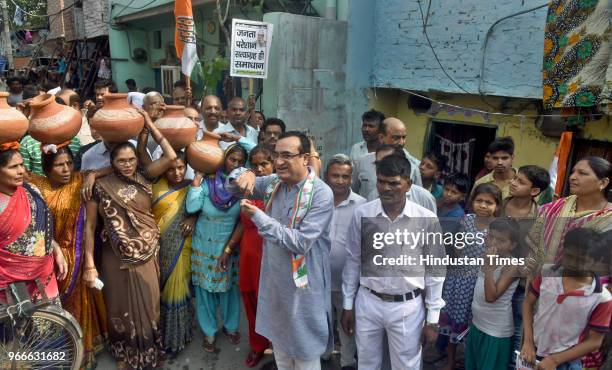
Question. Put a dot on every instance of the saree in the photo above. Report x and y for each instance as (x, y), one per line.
(545, 239)
(129, 270)
(175, 266)
(26, 233)
(85, 304)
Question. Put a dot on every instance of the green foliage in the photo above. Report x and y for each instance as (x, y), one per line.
(38, 7)
(213, 72)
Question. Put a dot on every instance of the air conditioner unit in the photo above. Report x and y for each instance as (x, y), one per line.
(169, 75)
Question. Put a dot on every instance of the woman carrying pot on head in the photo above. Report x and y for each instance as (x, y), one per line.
(129, 267)
(219, 212)
(27, 250)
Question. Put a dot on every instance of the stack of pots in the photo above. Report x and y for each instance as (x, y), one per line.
(178, 129)
(13, 124)
(117, 120)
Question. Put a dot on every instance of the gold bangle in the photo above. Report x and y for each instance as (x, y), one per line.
(228, 250)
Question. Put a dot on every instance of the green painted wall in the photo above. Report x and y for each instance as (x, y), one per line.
(125, 38)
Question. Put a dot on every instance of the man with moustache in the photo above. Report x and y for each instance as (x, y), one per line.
(392, 132)
(238, 115)
(294, 309)
(211, 112)
(502, 155)
(338, 177)
(415, 193)
(391, 304)
(370, 126)
(272, 129)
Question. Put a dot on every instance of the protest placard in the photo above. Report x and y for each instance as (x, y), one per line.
(250, 48)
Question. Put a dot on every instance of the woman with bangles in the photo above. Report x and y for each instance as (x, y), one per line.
(129, 267)
(60, 188)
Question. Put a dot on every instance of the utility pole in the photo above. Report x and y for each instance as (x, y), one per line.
(6, 35)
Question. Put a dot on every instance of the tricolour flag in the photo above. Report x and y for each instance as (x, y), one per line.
(186, 47)
(558, 167)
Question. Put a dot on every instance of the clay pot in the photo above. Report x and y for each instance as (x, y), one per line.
(52, 123)
(178, 129)
(117, 120)
(13, 124)
(205, 155)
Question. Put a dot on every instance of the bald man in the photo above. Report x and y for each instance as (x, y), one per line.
(392, 132)
(211, 112)
(237, 112)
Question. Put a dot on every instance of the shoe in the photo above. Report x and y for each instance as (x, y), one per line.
(208, 346)
(253, 358)
(349, 368)
(234, 338)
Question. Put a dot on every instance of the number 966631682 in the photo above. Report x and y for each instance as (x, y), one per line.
(37, 356)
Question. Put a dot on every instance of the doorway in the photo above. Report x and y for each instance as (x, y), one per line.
(463, 144)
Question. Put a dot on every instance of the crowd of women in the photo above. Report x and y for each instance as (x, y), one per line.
(157, 240)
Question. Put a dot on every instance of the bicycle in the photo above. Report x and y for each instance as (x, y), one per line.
(37, 335)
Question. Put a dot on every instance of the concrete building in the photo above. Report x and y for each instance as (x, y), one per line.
(325, 72)
(388, 53)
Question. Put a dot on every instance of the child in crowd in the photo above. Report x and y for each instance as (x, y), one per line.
(431, 168)
(251, 245)
(456, 187)
(528, 183)
(572, 303)
(488, 167)
(489, 342)
(459, 285)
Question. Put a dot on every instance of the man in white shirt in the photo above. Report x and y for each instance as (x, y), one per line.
(237, 114)
(211, 114)
(416, 193)
(338, 177)
(392, 132)
(387, 302)
(370, 125)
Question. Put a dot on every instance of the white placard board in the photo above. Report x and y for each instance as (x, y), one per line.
(250, 48)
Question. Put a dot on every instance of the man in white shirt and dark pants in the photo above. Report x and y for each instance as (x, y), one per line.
(386, 302)
(238, 115)
(338, 177)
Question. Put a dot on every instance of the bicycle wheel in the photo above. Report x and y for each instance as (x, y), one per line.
(49, 339)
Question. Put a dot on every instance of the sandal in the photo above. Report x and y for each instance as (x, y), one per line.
(208, 346)
(234, 338)
(253, 358)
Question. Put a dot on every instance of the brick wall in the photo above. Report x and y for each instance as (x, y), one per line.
(56, 22)
(457, 30)
(96, 18)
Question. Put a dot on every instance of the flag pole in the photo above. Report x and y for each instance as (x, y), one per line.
(188, 85)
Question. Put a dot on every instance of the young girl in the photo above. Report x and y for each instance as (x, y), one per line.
(250, 258)
(489, 342)
(460, 280)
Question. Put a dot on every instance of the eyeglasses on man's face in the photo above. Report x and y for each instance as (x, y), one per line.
(285, 156)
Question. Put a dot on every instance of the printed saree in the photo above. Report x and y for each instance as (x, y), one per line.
(175, 266)
(85, 304)
(26, 233)
(130, 271)
(576, 67)
(545, 239)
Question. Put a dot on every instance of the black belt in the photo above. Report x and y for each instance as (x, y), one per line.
(396, 298)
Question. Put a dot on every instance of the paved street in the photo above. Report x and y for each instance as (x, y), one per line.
(229, 357)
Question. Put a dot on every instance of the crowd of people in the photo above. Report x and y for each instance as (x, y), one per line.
(275, 229)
